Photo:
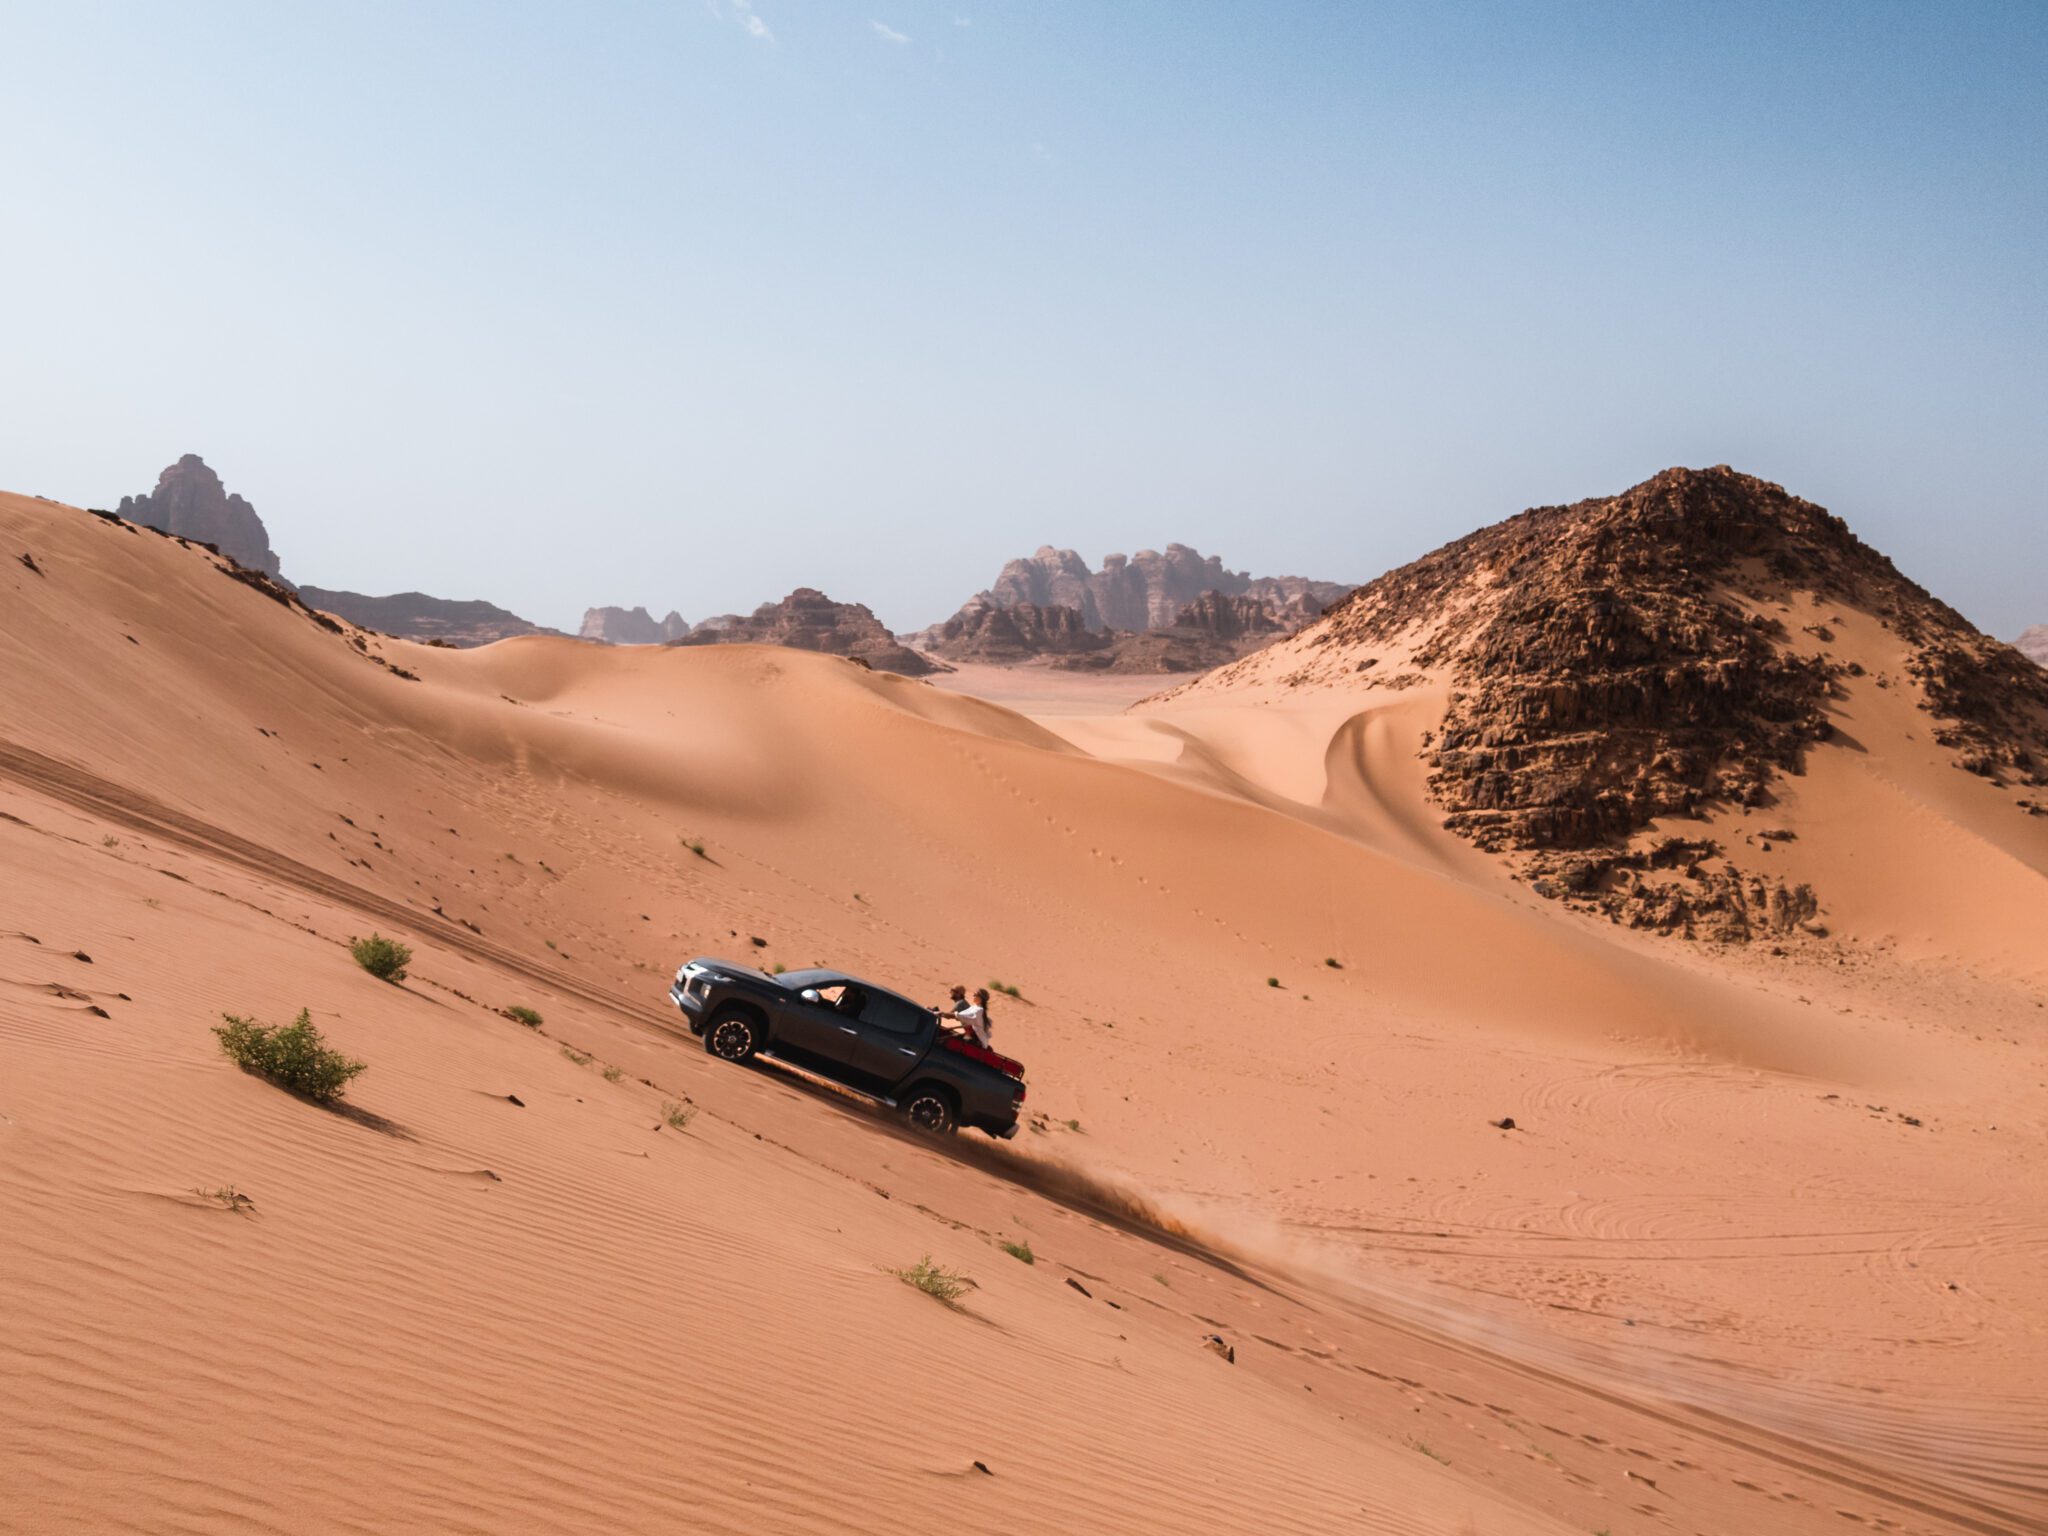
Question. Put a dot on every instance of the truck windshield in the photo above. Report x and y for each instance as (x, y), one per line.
(796, 981)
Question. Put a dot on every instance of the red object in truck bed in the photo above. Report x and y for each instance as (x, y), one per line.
(975, 1050)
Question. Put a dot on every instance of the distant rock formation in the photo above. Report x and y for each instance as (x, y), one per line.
(987, 631)
(2034, 643)
(1620, 662)
(1143, 591)
(1208, 632)
(632, 626)
(808, 620)
(190, 502)
(416, 616)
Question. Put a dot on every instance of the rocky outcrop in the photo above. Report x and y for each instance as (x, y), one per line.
(987, 631)
(1211, 631)
(808, 620)
(1208, 632)
(632, 626)
(2034, 643)
(190, 502)
(416, 616)
(1622, 661)
(1146, 590)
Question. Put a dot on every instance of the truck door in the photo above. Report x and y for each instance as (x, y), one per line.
(822, 1035)
(894, 1036)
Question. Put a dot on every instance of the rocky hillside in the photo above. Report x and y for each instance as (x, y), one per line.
(1205, 633)
(632, 626)
(416, 616)
(1144, 591)
(190, 502)
(808, 620)
(989, 632)
(1625, 660)
(2034, 643)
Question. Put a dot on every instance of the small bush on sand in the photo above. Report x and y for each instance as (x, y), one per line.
(523, 1015)
(385, 959)
(576, 1056)
(293, 1056)
(1333, 965)
(928, 1277)
(1272, 981)
(676, 1117)
(612, 1074)
(1006, 989)
(1019, 1251)
(694, 844)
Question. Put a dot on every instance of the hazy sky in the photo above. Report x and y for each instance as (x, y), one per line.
(685, 304)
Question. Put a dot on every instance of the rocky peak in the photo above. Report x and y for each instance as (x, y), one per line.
(1622, 660)
(190, 502)
(632, 626)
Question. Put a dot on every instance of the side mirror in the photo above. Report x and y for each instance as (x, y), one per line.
(810, 995)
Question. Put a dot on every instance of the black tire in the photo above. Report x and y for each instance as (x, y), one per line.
(733, 1035)
(932, 1109)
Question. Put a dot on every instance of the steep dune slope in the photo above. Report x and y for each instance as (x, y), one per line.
(551, 1315)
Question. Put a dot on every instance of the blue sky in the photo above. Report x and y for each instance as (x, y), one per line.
(686, 304)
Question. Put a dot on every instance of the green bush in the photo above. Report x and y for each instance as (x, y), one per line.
(944, 1284)
(677, 1116)
(385, 959)
(293, 1056)
(523, 1015)
(1019, 1251)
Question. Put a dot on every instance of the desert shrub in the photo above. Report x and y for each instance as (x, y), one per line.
(1272, 981)
(523, 1015)
(576, 1056)
(385, 959)
(1006, 990)
(1333, 965)
(612, 1074)
(676, 1117)
(928, 1277)
(293, 1056)
(1019, 1251)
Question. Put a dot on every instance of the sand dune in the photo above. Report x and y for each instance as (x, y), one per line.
(1764, 1251)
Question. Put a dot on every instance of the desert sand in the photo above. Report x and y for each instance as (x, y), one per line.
(1762, 1252)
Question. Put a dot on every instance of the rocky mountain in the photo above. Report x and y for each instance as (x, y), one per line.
(2034, 643)
(632, 626)
(808, 620)
(1142, 591)
(988, 631)
(1657, 655)
(190, 501)
(416, 616)
(1208, 632)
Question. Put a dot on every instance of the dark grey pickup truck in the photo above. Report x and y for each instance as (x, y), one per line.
(854, 1034)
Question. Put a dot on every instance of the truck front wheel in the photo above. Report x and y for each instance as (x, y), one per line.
(930, 1108)
(733, 1036)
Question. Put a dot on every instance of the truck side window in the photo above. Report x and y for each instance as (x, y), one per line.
(894, 1015)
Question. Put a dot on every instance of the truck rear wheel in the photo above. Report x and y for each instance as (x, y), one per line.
(733, 1036)
(930, 1108)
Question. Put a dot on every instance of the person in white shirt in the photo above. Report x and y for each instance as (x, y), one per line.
(974, 1016)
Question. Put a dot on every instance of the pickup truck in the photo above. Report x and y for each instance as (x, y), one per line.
(854, 1034)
